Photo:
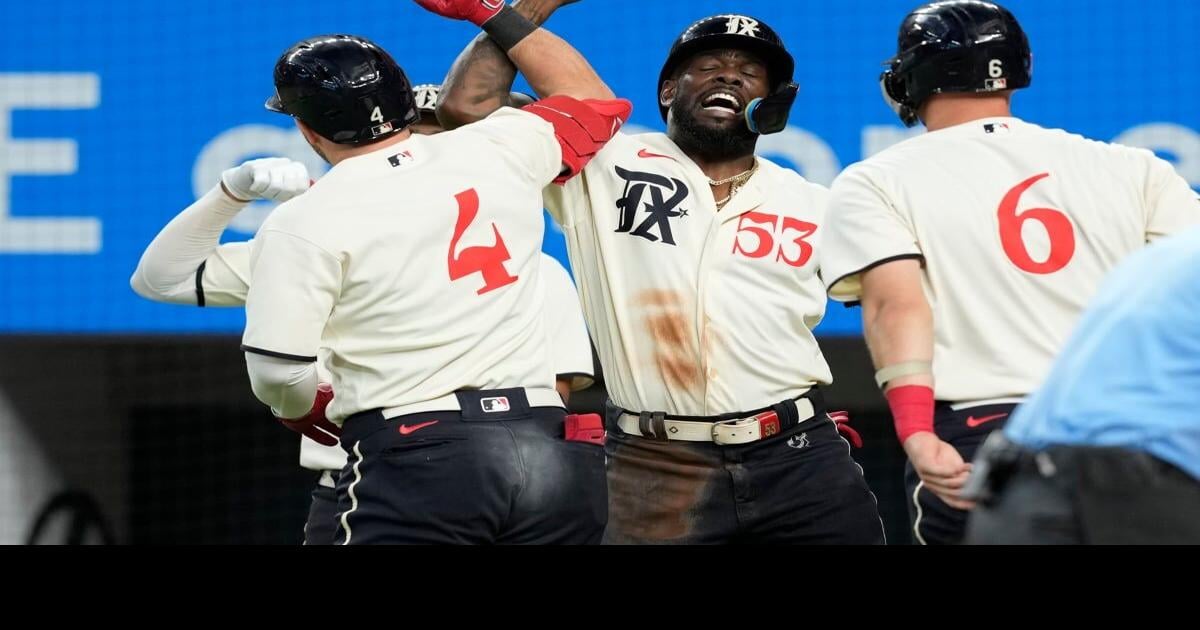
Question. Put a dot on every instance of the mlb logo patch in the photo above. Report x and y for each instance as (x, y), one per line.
(996, 128)
(402, 158)
(495, 405)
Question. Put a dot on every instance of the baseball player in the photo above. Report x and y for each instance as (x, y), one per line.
(186, 264)
(698, 271)
(973, 248)
(414, 261)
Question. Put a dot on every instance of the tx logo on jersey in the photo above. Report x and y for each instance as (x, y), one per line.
(742, 25)
(658, 196)
(495, 405)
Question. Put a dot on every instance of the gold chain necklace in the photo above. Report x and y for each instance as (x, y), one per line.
(738, 181)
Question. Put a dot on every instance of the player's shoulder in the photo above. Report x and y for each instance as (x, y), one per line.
(630, 148)
(790, 180)
(307, 215)
(1080, 142)
(501, 124)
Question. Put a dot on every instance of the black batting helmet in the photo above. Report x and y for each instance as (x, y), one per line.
(955, 46)
(346, 88)
(741, 32)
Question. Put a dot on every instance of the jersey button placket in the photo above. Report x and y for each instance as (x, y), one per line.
(710, 266)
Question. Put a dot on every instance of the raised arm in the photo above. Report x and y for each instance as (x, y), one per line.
(481, 79)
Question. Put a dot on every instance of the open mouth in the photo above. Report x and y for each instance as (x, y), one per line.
(722, 102)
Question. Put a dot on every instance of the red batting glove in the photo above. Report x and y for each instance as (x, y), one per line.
(474, 11)
(841, 419)
(315, 426)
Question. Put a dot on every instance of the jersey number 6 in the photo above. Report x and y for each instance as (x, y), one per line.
(487, 260)
(1058, 228)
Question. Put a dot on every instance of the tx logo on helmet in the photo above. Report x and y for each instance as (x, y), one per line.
(426, 97)
(659, 196)
(742, 25)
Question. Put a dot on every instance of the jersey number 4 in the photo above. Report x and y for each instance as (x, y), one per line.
(488, 260)
(1057, 225)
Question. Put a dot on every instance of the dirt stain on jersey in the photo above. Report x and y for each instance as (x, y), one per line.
(673, 333)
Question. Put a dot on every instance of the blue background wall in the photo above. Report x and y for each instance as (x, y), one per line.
(114, 116)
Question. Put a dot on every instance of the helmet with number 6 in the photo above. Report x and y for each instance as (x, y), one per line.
(955, 46)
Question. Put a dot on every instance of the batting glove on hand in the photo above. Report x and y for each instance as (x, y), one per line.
(474, 11)
(277, 179)
(315, 426)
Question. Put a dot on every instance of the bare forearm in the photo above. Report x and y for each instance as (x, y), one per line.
(899, 332)
(482, 76)
(553, 67)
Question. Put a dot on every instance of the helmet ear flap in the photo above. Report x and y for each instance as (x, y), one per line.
(770, 115)
(895, 94)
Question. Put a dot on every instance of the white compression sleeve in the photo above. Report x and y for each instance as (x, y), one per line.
(167, 270)
(288, 387)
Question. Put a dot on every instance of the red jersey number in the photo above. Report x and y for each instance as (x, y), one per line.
(793, 250)
(1057, 225)
(488, 260)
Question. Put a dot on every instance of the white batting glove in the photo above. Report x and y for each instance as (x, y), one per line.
(277, 179)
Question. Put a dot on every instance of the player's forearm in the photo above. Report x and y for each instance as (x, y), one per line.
(287, 387)
(899, 332)
(553, 67)
(481, 78)
(898, 323)
(167, 269)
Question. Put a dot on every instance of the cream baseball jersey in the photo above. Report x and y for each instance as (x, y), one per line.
(1016, 226)
(417, 266)
(694, 311)
(189, 266)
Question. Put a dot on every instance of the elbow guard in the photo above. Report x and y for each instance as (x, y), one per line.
(582, 127)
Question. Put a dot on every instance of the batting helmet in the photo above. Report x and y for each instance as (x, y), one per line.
(955, 46)
(741, 32)
(346, 88)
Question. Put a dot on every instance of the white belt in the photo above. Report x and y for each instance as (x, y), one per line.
(537, 396)
(327, 480)
(729, 432)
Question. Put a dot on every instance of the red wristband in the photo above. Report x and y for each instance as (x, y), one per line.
(912, 409)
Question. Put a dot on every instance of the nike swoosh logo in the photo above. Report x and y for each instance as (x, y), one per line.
(407, 430)
(973, 422)
(646, 154)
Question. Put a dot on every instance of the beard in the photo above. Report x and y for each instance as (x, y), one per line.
(709, 142)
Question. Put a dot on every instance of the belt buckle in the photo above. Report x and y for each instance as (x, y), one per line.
(764, 425)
